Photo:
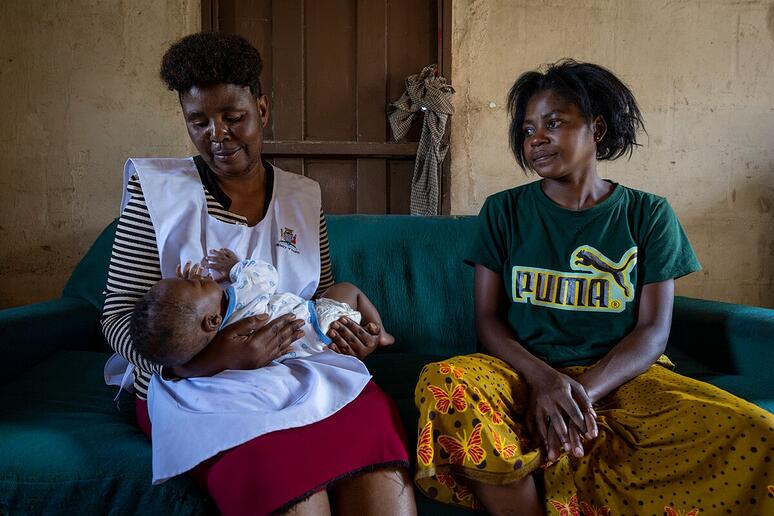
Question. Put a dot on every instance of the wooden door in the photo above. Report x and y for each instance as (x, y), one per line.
(331, 67)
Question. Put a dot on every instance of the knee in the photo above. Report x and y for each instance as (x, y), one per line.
(446, 368)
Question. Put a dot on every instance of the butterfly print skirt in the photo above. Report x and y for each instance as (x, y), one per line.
(667, 445)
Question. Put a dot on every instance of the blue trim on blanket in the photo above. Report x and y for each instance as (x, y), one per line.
(231, 296)
(316, 324)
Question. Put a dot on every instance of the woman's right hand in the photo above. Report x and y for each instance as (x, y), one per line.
(559, 408)
(250, 343)
(560, 411)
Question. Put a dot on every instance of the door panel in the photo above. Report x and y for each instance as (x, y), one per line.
(338, 181)
(331, 67)
(331, 74)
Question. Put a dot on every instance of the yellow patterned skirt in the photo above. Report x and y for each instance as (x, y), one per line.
(667, 444)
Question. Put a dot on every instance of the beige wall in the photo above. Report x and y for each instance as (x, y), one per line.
(703, 72)
(79, 91)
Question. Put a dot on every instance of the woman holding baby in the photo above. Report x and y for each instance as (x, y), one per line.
(229, 197)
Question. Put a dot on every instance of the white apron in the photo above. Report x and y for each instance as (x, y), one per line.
(194, 419)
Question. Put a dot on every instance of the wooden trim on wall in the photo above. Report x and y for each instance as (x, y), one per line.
(209, 17)
(314, 149)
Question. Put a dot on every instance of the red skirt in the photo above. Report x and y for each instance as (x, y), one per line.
(277, 470)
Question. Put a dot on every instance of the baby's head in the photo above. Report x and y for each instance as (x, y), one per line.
(176, 319)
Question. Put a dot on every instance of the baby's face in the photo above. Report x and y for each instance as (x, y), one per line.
(204, 292)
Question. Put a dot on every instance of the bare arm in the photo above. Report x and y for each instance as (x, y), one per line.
(636, 352)
(491, 307)
(370, 326)
(556, 400)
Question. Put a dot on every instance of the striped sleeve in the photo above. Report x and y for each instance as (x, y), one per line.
(134, 268)
(326, 272)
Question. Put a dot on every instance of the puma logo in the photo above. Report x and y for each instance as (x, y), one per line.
(596, 283)
(586, 258)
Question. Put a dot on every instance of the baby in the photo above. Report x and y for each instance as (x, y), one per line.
(178, 317)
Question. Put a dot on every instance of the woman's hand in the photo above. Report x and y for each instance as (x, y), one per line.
(250, 343)
(555, 449)
(560, 411)
(349, 338)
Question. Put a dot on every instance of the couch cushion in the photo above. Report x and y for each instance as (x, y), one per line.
(69, 449)
(411, 268)
(687, 365)
(755, 390)
(31, 333)
(728, 338)
(758, 390)
(397, 373)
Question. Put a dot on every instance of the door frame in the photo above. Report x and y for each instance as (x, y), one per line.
(209, 14)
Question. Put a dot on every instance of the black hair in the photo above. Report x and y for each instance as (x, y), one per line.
(210, 58)
(161, 326)
(594, 90)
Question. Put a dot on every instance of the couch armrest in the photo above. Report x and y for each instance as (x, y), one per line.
(729, 338)
(29, 334)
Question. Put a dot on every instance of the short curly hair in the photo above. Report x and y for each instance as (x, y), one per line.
(211, 58)
(595, 90)
(162, 327)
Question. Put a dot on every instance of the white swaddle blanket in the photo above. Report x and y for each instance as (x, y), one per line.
(253, 291)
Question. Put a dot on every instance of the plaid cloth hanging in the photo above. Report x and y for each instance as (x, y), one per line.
(429, 93)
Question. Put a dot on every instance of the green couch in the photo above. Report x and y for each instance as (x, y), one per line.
(67, 448)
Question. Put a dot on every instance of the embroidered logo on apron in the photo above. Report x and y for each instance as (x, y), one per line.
(288, 239)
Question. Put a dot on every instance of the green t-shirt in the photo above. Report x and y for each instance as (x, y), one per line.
(574, 277)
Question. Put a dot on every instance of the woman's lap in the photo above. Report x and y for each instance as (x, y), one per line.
(665, 440)
(485, 410)
(366, 434)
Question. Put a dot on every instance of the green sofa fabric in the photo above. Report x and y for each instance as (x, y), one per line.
(68, 448)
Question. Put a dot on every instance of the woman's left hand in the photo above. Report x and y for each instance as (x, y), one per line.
(349, 338)
(554, 448)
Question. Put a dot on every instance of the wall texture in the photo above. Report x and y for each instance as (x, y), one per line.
(80, 93)
(703, 72)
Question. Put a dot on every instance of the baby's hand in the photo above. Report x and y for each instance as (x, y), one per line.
(190, 271)
(220, 261)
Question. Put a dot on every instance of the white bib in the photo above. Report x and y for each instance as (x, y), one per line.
(288, 237)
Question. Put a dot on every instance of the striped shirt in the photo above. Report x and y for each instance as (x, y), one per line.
(135, 268)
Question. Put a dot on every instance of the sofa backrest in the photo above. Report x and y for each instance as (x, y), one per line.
(412, 270)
